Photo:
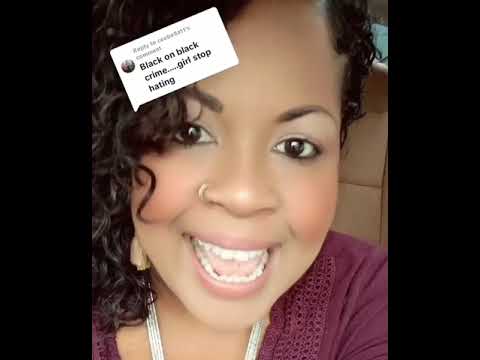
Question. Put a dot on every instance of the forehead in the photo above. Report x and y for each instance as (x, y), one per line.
(286, 60)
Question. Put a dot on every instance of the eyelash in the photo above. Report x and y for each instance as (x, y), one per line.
(315, 149)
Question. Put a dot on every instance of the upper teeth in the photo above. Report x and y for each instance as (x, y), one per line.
(226, 254)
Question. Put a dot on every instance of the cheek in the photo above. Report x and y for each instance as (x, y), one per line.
(177, 180)
(311, 205)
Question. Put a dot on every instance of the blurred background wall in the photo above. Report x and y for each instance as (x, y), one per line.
(379, 9)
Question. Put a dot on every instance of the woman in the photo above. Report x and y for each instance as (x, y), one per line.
(216, 201)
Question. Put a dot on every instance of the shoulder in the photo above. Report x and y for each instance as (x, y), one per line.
(350, 251)
(356, 261)
(337, 310)
(359, 301)
(360, 270)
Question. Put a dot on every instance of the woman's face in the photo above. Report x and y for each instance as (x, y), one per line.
(270, 159)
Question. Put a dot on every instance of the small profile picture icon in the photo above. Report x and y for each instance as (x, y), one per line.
(128, 66)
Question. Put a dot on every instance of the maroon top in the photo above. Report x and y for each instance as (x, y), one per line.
(336, 311)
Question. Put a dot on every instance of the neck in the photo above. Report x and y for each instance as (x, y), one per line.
(178, 326)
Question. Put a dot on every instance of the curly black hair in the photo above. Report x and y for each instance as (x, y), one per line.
(120, 136)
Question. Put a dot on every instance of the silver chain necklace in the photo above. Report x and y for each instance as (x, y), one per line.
(156, 341)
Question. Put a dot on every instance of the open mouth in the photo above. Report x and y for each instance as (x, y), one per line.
(230, 266)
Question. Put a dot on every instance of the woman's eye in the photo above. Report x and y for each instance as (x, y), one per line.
(297, 148)
(191, 134)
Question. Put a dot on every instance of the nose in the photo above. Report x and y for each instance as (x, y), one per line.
(242, 188)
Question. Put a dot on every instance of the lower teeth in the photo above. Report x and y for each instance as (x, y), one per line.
(229, 279)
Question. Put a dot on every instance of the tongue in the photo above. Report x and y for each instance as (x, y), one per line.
(232, 267)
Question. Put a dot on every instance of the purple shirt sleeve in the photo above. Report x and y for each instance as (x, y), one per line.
(365, 312)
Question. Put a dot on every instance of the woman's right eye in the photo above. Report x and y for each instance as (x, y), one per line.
(190, 134)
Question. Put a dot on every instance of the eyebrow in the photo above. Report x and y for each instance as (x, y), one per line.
(297, 112)
(216, 105)
(208, 100)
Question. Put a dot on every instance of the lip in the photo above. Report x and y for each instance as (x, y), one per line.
(230, 291)
(234, 242)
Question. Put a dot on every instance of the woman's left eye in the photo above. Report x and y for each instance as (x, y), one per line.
(298, 148)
